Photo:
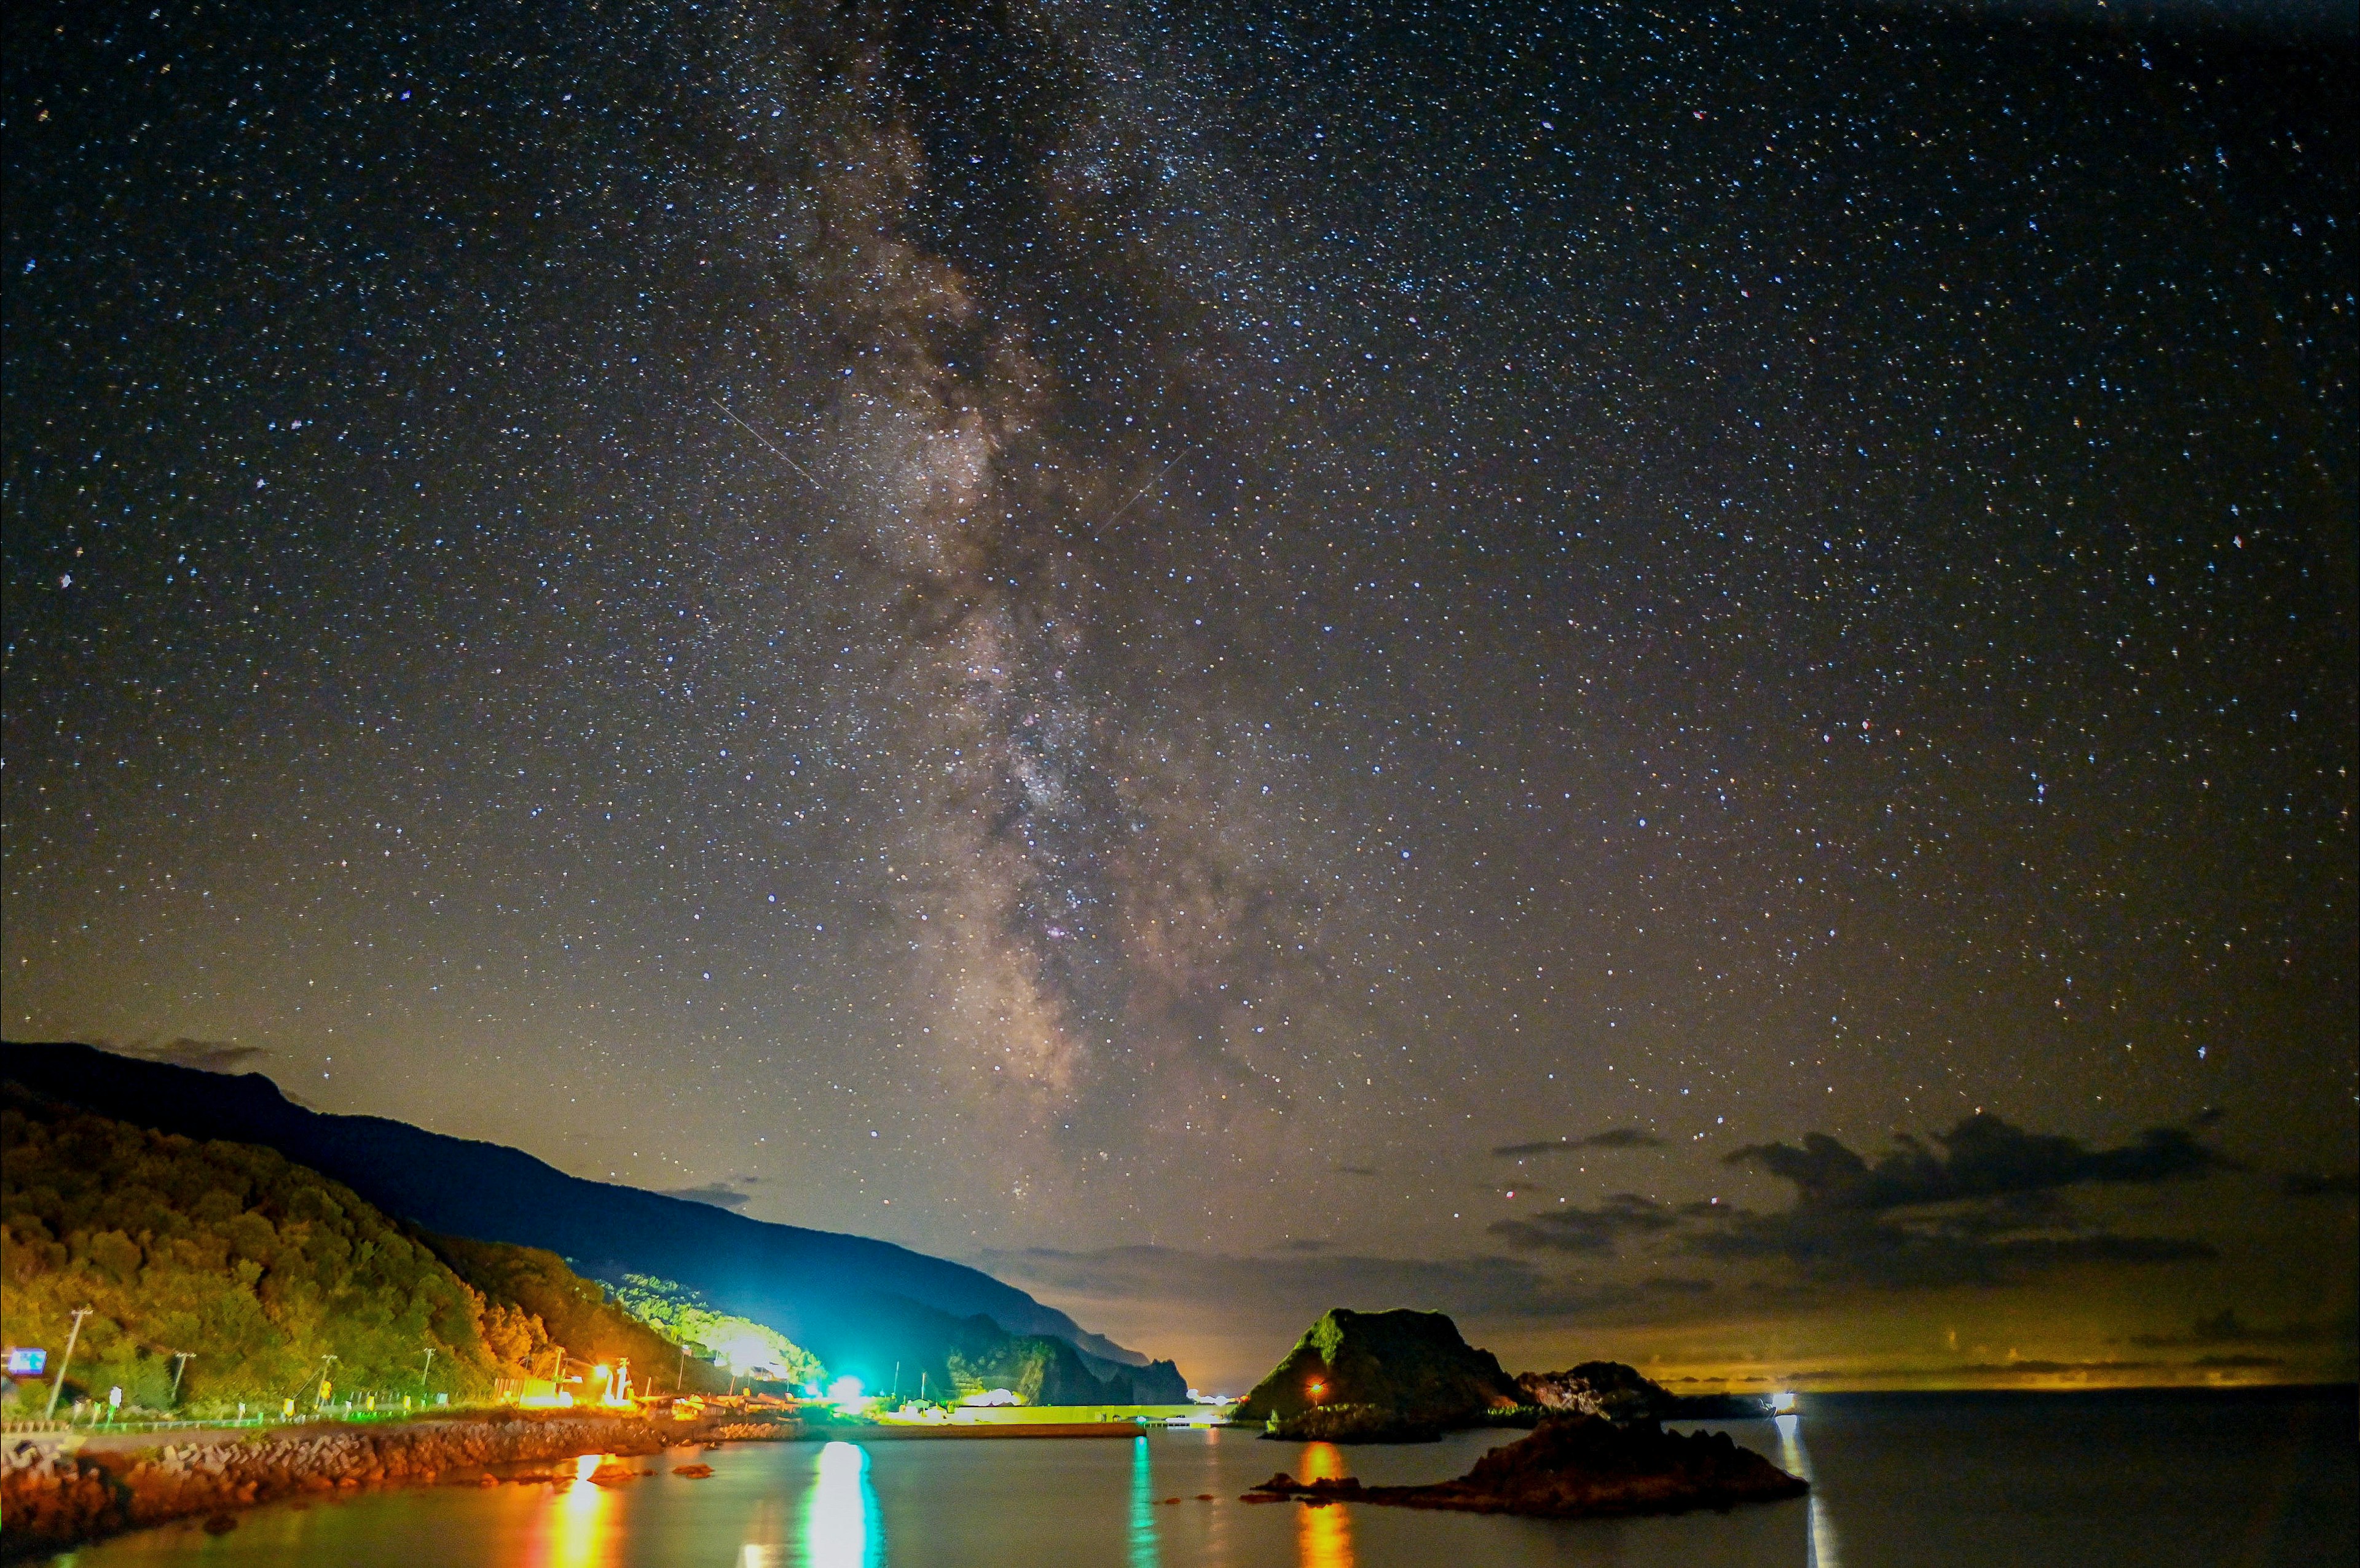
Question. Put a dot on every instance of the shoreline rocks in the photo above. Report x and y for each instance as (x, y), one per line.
(1575, 1467)
(1350, 1424)
(50, 1500)
(1622, 1393)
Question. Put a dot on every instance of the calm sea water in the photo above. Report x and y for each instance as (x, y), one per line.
(2145, 1480)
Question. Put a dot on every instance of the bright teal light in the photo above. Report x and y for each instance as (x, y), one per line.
(842, 1527)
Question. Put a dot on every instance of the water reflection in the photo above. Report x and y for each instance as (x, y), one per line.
(1143, 1552)
(1819, 1548)
(1326, 1538)
(842, 1528)
(573, 1530)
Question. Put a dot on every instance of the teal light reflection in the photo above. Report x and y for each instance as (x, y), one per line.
(842, 1527)
(1144, 1552)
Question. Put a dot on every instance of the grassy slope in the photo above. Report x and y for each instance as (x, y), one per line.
(574, 1313)
(264, 1268)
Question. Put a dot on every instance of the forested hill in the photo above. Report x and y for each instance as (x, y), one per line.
(862, 1306)
(270, 1275)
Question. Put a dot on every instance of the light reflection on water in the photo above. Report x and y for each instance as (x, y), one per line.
(1144, 1554)
(1819, 1549)
(574, 1532)
(1326, 1538)
(842, 1527)
(2161, 1481)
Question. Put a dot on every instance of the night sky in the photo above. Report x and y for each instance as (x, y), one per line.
(1121, 641)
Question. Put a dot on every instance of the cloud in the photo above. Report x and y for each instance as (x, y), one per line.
(1983, 1158)
(720, 1194)
(2225, 1327)
(204, 1055)
(1587, 1230)
(2002, 1242)
(1296, 1286)
(1612, 1138)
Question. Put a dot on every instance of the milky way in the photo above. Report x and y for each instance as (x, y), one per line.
(1085, 910)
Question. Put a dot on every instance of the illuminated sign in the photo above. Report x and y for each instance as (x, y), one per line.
(27, 1363)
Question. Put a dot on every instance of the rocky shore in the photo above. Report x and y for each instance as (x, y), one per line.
(1576, 1467)
(50, 1500)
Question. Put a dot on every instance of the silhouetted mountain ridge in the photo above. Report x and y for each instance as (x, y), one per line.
(861, 1305)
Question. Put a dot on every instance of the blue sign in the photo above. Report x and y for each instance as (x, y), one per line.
(27, 1363)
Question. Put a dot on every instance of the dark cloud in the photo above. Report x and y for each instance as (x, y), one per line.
(1612, 1138)
(204, 1055)
(1984, 1157)
(1294, 1287)
(1587, 1230)
(720, 1194)
(1985, 1205)
(1988, 1245)
(2307, 1184)
(2225, 1327)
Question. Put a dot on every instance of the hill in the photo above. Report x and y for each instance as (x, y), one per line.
(583, 1316)
(861, 1306)
(262, 1270)
(1402, 1368)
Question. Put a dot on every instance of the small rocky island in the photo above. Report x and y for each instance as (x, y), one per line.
(1396, 1377)
(1574, 1466)
(1408, 1376)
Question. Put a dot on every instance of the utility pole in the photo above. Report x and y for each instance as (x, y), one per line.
(180, 1359)
(71, 1334)
(681, 1371)
(427, 1367)
(896, 1379)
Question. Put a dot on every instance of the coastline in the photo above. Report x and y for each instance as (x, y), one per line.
(51, 1500)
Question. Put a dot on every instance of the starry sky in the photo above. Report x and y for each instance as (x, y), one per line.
(1237, 657)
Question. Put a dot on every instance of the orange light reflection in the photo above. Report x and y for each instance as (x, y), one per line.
(1324, 1539)
(576, 1523)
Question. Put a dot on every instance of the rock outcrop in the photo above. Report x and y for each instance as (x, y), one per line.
(1411, 1369)
(1578, 1466)
(50, 1500)
(1620, 1393)
(1352, 1423)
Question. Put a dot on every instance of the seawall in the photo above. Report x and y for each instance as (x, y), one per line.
(50, 1500)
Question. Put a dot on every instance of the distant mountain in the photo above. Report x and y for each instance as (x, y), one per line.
(862, 1306)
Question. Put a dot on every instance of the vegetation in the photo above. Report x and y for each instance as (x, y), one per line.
(745, 1346)
(559, 1305)
(261, 1268)
(1412, 1366)
(1046, 1370)
(274, 1279)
